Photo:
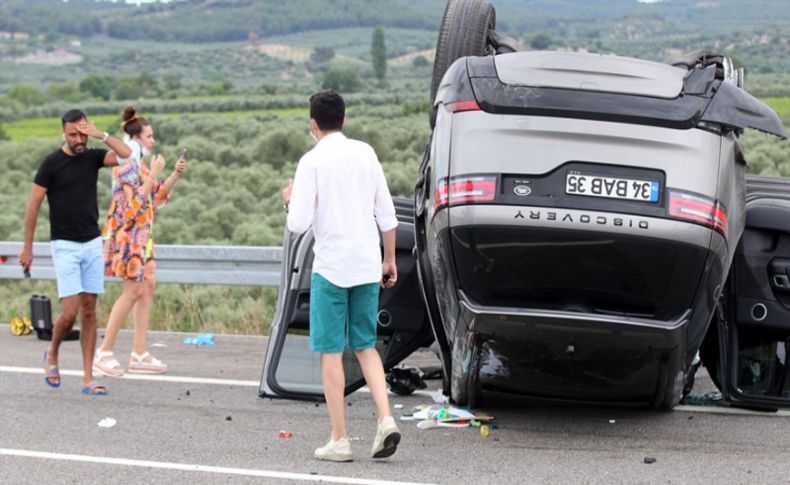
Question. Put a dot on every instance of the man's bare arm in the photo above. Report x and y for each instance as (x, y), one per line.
(389, 268)
(117, 147)
(37, 194)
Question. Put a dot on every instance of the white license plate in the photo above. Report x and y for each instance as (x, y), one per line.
(612, 187)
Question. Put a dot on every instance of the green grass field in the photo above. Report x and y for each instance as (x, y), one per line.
(780, 105)
(48, 128)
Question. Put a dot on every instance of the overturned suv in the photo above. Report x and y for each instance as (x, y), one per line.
(583, 229)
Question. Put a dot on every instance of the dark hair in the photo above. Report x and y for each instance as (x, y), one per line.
(132, 124)
(328, 109)
(71, 116)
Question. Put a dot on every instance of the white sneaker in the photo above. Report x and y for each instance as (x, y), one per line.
(387, 438)
(146, 364)
(339, 450)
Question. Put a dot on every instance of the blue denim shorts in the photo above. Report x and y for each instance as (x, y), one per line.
(79, 267)
(342, 317)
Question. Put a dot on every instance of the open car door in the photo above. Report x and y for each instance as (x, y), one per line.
(753, 325)
(291, 370)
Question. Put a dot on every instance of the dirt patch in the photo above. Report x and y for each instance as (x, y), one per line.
(409, 58)
(285, 52)
(55, 58)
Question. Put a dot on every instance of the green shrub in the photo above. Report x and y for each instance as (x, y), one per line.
(341, 80)
(26, 95)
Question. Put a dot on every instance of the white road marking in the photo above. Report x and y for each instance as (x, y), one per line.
(164, 378)
(428, 394)
(140, 377)
(250, 472)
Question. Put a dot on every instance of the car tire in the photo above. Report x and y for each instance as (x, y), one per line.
(711, 348)
(459, 376)
(465, 31)
(474, 392)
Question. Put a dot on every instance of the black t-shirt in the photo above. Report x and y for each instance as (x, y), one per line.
(71, 193)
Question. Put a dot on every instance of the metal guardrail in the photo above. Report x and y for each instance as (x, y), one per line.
(203, 265)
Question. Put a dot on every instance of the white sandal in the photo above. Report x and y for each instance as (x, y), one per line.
(104, 362)
(139, 365)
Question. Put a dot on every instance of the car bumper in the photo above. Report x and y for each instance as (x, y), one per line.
(572, 356)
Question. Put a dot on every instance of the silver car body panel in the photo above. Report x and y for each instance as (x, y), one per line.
(500, 316)
(538, 145)
(590, 72)
(582, 220)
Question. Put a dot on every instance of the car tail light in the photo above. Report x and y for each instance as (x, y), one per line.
(460, 106)
(700, 209)
(465, 190)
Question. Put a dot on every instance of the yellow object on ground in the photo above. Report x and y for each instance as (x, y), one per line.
(20, 326)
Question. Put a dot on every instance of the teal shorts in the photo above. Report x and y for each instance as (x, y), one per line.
(342, 317)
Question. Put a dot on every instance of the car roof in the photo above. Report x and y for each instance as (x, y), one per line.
(591, 72)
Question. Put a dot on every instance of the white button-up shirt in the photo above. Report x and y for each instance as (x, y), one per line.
(339, 188)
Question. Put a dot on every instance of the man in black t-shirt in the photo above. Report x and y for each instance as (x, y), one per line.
(67, 178)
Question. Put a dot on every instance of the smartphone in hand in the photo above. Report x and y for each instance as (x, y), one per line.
(183, 155)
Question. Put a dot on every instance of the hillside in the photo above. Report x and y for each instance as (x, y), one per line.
(244, 41)
(230, 80)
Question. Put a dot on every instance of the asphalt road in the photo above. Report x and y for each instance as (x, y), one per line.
(213, 429)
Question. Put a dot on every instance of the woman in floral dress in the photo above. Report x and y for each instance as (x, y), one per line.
(137, 196)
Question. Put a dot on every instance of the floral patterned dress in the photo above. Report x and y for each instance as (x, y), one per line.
(128, 232)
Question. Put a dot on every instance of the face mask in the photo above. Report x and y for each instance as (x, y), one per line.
(312, 135)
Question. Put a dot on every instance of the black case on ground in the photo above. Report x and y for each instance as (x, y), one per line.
(41, 318)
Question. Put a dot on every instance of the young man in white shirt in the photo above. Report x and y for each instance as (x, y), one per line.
(339, 189)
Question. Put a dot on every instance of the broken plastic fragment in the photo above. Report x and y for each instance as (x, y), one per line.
(439, 397)
(286, 434)
(107, 423)
(435, 423)
(204, 339)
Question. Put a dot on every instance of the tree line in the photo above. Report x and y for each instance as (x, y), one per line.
(208, 21)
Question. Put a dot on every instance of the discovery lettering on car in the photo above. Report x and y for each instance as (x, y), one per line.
(602, 220)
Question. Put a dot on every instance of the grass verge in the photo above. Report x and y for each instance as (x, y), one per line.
(49, 128)
(178, 308)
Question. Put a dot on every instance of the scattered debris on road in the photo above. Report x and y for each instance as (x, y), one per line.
(107, 422)
(203, 339)
(439, 397)
(446, 416)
